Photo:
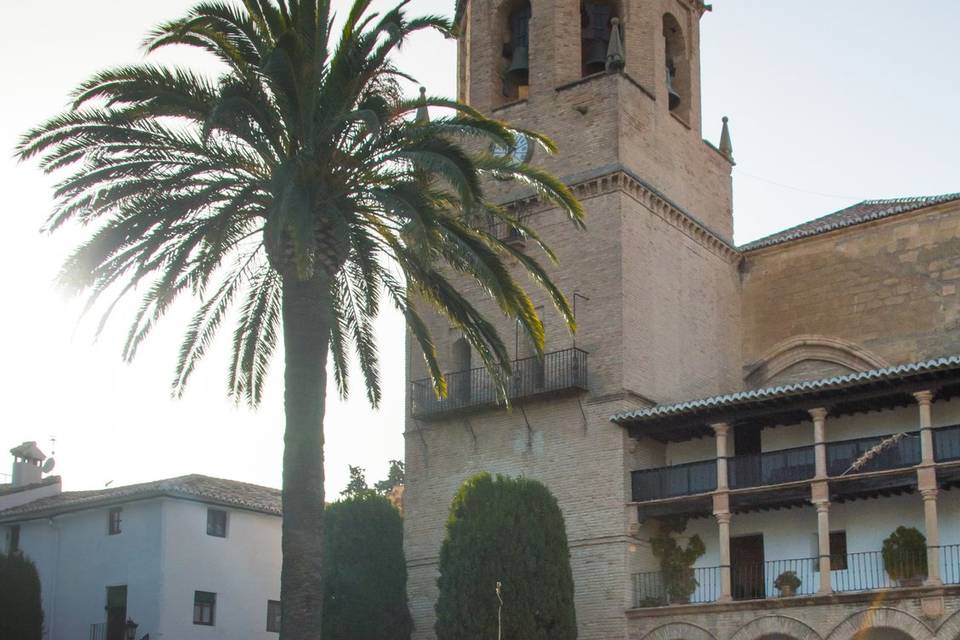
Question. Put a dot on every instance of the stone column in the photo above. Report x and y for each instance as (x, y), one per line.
(924, 400)
(933, 535)
(927, 484)
(823, 545)
(723, 525)
(819, 416)
(721, 429)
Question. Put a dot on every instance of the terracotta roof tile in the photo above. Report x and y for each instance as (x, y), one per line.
(753, 395)
(856, 214)
(204, 488)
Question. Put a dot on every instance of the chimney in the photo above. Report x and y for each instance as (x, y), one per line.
(27, 461)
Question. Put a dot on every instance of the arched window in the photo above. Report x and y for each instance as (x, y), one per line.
(677, 72)
(595, 23)
(514, 18)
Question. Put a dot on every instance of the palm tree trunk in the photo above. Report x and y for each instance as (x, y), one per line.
(306, 333)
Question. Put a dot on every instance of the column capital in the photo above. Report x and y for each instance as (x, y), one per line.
(924, 398)
(720, 428)
(723, 517)
(823, 506)
(930, 494)
(819, 413)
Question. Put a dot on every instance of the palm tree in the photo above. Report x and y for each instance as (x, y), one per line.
(297, 190)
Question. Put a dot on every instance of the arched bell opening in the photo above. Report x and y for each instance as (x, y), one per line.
(598, 19)
(514, 63)
(677, 71)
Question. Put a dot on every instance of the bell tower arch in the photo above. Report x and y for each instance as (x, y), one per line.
(543, 64)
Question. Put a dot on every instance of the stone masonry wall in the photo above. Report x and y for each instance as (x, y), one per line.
(890, 287)
(889, 615)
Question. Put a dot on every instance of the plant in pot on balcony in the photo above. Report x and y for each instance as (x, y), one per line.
(787, 583)
(676, 562)
(905, 556)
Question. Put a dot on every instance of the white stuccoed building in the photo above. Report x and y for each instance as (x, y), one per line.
(188, 557)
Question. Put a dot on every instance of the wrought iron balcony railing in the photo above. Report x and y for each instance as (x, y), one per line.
(772, 467)
(677, 480)
(98, 631)
(860, 571)
(898, 455)
(946, 444)
(555, 372)
(790, 465)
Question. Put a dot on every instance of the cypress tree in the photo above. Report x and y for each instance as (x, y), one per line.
(511, 531)
(365, 596)
(21, 611)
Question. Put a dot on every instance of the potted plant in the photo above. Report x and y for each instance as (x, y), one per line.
(787, 583)
(676, 562)
(905, 556)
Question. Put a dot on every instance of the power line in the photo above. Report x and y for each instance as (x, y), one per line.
(792, 188)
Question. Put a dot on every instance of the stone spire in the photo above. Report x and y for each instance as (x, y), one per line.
(423, 115)
(726, 147)
(615, 60)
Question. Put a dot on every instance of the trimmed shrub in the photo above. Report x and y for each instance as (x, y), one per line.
(509, 531)
(365, 587)
(21, 611)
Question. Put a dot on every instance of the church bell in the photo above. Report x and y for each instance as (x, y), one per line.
(519, 46)
(673, 98)
(596, 36)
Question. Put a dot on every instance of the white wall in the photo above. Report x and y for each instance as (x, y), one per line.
(243, 569)
(791, 533)
(77, 561)
(163, 554)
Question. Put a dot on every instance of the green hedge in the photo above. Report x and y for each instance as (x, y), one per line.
(507, 530)
(366, 575)
(21, 612)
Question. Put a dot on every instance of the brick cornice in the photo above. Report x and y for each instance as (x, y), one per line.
(619, 179)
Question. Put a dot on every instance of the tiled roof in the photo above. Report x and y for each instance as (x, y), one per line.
(241, 495)
(856, 214)
(8, 489)
(745, 397)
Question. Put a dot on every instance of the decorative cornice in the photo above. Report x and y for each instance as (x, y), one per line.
(618, 178)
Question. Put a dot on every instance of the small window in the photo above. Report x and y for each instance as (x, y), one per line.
(204, 607)
(273, 615)
(113, 521)
(14, 544)
(838, 550)
(217, 523)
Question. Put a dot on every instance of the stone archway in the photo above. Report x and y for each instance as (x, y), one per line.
(679, 631)
(882, 623)
(842, 355)
(775, 628)
(950, 628)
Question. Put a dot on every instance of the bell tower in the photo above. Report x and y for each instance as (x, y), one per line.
(654, 280)
(636, 103)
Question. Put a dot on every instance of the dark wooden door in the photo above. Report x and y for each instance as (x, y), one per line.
(746, 450)
(116, 612)
(746, 567)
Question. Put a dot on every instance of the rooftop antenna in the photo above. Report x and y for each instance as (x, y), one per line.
(49, 463)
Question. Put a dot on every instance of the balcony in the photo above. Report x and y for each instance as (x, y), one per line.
(674, 481)
(852, 572)
(773, 467)
(786, 466)
(473, 389)
(898, 455)
(946, 444)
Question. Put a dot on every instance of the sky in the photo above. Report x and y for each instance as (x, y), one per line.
(830, 102)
